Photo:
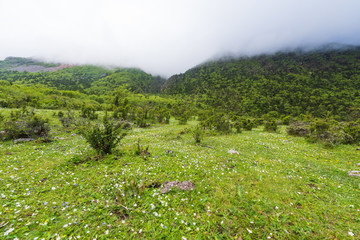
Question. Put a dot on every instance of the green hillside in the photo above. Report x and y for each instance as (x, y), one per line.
(319, 82)
(13, 62)
(86, 78)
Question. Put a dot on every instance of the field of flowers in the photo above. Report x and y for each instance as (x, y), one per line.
(276, 187)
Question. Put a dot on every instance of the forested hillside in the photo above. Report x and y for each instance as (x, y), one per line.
(71, 87)
(319, 82)
(86, 78)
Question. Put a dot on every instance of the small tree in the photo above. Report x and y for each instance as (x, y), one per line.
(197, 133)
(247, 124)
(270, 126)
(103, 137)
(88, 111)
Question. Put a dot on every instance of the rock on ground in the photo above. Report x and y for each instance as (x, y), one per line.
(185, 185)
(354, 173)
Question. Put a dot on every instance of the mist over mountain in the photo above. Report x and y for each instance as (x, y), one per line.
(169, 37)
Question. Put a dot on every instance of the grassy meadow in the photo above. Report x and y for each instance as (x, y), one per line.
(277, 187)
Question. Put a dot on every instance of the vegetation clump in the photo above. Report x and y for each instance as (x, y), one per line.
(103, 137)
(352, 132)
(218, 122)
(298, 128)
(270, 125)
(26, 123)
(197, 133)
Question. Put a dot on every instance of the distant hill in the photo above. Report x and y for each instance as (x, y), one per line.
(318, 82)
(85, 78)
(29, 65)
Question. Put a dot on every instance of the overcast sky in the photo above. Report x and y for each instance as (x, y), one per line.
(170, 36)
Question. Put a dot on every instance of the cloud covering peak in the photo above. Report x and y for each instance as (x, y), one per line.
(167, 37)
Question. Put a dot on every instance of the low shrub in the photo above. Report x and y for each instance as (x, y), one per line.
(26, 125)
(218, 122)
(247, 124)
(68, 120)
(285, 119)
(327, 132)
(270, 126)
(238, 126)
(298, 128)
(103, 137)
(89, 112)
(352, 132)
(197, 133)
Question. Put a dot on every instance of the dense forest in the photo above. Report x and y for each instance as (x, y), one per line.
(322, 82)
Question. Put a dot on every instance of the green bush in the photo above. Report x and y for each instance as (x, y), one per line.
(163, 116)
(247, 124)
(298, 128)
(121, 111)
(103, 137)
(319, 127)
(26, 125)
(352, 132)
(89, 112)
(218, 122)
(69, 120)
(285, 120)
(327, 132)
(2, 118)
(182, 112)
(270, 126)
(197, 133)
(60, 114)
(238, 126)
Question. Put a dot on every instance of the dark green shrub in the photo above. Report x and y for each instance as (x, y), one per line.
(270, 126)
(319, 127)
(271, 115)
(298, 128)
(163, 116)
(121, 111)
(26, 126)
(126, 125)
(352, 132)
(141, 122)
(69, 120)
(103, 137)
(182, 112)
(218, 122)
(89, 112)
(326, 132)
(285, 120)
(2, 119)
(142, 116)
(257, 122)
(247, 124)
(60, 114)
(197, 133)
(238, 126)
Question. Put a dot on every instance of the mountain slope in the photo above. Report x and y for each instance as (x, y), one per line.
(85, 78)
(317, 82)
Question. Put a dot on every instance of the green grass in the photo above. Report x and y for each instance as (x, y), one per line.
(278, 187)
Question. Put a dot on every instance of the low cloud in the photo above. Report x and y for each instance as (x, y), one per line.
(169, 37)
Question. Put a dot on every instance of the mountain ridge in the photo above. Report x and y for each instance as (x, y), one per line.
(317, 82)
